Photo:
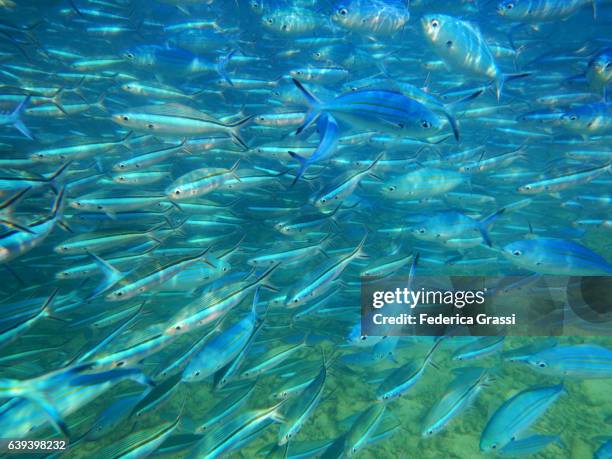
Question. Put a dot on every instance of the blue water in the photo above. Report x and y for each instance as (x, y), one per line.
(194, 192)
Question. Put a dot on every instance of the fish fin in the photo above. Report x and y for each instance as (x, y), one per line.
(16, 226)
(233, 170)
(52, 413)
(453, 123)
(222, 66)
(16, 118)
(75, 8)
(484, 224)
(314, 104)
(58, 205)
(594, 2)
(23, 129)
(303, 165)
(503, 79)
(451, 107)
(15, 198)
(57, 174)
(235, 131)
(111, 276)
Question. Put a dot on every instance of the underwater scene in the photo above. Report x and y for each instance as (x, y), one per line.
(219, 217)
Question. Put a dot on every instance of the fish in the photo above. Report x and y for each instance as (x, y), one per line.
(14, 118)
(542, 10)
(178, 120)
(459, 395)
(555, 256)
(365, 18)
(451, 224)
(382, 110)
(461, 45)
(516, 415)
(197, 199)
(579, 361)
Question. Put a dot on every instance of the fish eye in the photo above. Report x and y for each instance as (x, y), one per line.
(178, 327)
(573, 117)
(421, 230)
(494, 446)
(150, 126)
(517, 253)
(125, 118)
(296, 300)
(119, 293)
(129, 55)
(197, 373)
(542, 364)
(435, 23)
(509, 6)
(426, 124)
(317, 54)
(449, 43)
(270, 21)
(392, 188)
(363, 337)
(342, 11)
(323, 201)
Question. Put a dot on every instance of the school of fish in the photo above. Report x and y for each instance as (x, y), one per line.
(193, 191)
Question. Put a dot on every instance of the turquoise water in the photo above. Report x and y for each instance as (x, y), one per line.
(193, 194)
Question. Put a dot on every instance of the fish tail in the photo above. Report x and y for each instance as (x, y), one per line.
(314, 104)
(233, 170)
(58, 173)
(450, 108)
(503, 79)
(235, 131)
(52, 413)
(303, 165)
(111, 276)
(453, 123)
(36, 394)
(14, 199)
(16, 117)
(222, 66)
(486, 222)
(58, 205)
